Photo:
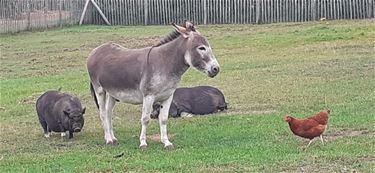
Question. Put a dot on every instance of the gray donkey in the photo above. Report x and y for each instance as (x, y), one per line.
(147, 75)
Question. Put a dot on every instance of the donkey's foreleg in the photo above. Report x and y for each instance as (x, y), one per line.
(148, 101)
(163, 120)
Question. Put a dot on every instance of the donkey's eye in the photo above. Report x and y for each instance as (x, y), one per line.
(202, 48)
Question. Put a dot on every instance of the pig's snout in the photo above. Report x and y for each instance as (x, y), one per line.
(77, 129)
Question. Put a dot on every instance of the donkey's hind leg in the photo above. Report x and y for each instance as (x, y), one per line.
(110, 104)
(163, 120)
(106, 103)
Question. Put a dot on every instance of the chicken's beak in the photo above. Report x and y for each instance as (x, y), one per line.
(286, 118)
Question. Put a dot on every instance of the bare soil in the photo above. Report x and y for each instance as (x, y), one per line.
(341, 133)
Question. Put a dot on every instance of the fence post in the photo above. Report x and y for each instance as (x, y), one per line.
(28, 15)
(45, 14)
(257, 11)
(145, 7)
(314, 10)
(205, 12)
(60, 16)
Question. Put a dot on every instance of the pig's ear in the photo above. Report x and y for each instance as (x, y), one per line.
(83, 110)
(66, 112)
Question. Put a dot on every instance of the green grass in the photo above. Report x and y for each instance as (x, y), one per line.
(267, 71)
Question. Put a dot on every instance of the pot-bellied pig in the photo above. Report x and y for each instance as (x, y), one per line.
(60, 112)
(198, 100)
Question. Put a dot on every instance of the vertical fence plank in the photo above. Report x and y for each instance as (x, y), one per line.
(145, 7)
(285, 10)
(368, 5)
(344, 11)
(246, 10)
(363, 11)
(132, 11)
(291, 10)
(304, 14)
(298, 11)
(2, 17)
(350, 9)
(115, 12)
(263, 11)
(121, 12)
(356, 9)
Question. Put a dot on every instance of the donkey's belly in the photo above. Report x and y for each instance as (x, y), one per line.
(128, 96)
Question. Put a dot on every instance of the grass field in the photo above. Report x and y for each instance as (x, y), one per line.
(267, 71)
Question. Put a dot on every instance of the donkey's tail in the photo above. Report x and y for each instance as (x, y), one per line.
(93, 95)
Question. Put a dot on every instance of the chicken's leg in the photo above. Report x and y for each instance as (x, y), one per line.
(321, 139)
(309, 143)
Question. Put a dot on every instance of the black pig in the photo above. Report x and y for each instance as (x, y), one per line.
(198, 100)
(60, 112)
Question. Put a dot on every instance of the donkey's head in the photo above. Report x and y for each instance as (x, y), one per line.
(199, 53)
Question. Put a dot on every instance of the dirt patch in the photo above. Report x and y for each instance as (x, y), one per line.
(326, 168)
(367, 158)
(341, 133)
(240, 108)
(138, 42)
(156, 137)
(30, 99)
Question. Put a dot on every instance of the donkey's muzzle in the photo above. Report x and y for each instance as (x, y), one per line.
(213, 71)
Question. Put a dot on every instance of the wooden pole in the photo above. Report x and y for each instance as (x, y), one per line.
(28, 15)
(97, 7)
(84, 11)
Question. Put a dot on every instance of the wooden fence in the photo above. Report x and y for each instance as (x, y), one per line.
(18, 15)
(156, 12)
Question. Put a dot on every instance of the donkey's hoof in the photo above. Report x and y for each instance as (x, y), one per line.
(169, 147)
(143, 147)
(112, 142)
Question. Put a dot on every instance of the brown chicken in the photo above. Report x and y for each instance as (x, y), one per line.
(311, 127)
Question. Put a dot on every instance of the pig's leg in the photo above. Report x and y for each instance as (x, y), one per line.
(186, 115)
(62, 130)
(70, 134)
(45, 128)
(49, 132)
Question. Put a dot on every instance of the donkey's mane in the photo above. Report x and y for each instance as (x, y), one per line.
(169, 38)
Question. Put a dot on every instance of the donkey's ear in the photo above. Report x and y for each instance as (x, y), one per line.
(183, 31)
(189, 26)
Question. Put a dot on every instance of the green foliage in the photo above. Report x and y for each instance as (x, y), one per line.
(267, 71)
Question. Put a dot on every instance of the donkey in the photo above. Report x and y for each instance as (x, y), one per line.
(147, 75)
